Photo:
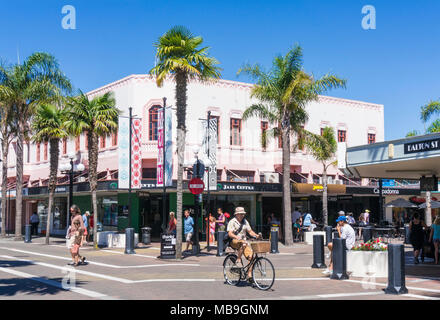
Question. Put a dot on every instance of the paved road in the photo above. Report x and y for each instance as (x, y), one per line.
(38, 271)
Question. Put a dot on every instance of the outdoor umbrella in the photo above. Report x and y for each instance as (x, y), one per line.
(400, 203)
(434, 205)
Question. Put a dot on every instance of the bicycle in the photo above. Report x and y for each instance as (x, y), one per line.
(263, 272)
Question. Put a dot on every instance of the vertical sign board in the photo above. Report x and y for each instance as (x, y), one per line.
(167, 246)
(164, 166)
(136, 154)
(123, 153)
(212, 145)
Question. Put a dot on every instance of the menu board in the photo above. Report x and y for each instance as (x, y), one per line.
(167, 246)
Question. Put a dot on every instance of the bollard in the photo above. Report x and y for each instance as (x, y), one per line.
(129, 241)
(274, 242)
(28, 234)
(396, 270)
(318, 252)
(328, 234)
(335, 235)
(339, 254)
(407, 235)
(220, 243)
(367, 233)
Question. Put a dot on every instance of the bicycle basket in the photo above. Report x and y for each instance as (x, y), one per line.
(260, 246)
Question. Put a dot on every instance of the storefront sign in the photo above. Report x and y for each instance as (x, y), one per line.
(385, 191)
(348, 197)
(167, 246)
(422, 146)
(317, 188)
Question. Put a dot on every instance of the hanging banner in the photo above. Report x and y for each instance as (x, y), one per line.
(123, 153)
(164, 166)
(136, 154)
(209, 150)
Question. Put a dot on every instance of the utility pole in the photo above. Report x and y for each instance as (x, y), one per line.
(129, 166)
(208, 209)
(163, 167)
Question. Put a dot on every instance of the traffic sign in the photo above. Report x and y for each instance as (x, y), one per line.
(196, 186)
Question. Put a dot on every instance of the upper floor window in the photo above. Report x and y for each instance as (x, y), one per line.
(28, 158)
(114, 139)
(65, 146)
(45, 151)
(77, 143)
(240, 176)
(342, 136)
(236, 132)
(371, 138)
(86, 140)
(218, 127)
(38, 152)
(322, 131)
(153, 122)
(264, 128)
(280, 137)
(102, 142)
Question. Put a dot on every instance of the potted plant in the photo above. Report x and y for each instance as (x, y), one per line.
(369, 259)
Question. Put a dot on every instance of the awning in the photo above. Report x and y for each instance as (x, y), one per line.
(409, 158)
(400, 203)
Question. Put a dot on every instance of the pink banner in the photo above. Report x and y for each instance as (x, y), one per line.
(136, 154)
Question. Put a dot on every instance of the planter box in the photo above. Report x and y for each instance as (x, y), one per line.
(308, 236)
(111, 239)
(367, 263)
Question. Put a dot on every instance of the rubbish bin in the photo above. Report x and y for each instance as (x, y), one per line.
(146, 235)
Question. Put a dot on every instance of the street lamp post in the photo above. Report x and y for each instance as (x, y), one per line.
(70, 169)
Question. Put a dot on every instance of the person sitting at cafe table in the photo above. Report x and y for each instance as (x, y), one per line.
(308, 222)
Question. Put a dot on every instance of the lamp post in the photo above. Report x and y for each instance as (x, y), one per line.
(71, 169)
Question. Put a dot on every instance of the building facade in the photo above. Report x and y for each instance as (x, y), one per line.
(248, 173)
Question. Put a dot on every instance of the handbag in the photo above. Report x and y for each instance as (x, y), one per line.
(68, 233)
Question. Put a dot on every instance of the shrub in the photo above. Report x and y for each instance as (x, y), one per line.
(372, 245)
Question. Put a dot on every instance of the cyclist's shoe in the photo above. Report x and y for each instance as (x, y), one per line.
(250, 280)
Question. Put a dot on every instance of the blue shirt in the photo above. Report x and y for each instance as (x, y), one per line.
(188, 224)
(86, 225)
(307, 220)
(436, 228)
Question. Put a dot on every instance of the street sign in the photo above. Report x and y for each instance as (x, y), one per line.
(167, 246)
(196, 186)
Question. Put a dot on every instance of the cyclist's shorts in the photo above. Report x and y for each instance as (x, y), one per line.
(237, 244)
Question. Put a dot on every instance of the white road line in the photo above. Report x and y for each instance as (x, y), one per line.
(419, 296)
(177, 280)
(136, 254)
(103, 264)
(300, 279)
(85, 292)
(324, 296)
(384, 284)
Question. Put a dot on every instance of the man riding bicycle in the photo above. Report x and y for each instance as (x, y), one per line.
(237, 229)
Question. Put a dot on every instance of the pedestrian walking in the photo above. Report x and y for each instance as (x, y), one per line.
(417, 236)
(75, 218)
(91, 224)
(211, 228)
(85, 217)
(221, 220)
(78, 237)
(351, 221)
(172, 224)
(34, 221)
(188, 228)
(435, 237)
(362, 224)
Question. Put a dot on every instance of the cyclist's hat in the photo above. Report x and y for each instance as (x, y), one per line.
(341, 218)
(239, 210)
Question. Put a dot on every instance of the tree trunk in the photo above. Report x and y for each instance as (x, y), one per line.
(54, 154)
(93, 180)
(287, 205)
(19, 187)
(5, 150)
(324, 197)
(181, 88)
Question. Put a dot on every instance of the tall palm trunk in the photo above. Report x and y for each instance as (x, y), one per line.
(19, 184)
(324, 196)
(5, 150)
(54, 154)
(287, 206)
(93, 180)
(181, 87)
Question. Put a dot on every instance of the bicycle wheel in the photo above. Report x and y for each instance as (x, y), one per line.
(263, 274)
(231, 272)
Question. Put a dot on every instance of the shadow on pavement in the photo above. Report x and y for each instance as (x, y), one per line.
(11, 287)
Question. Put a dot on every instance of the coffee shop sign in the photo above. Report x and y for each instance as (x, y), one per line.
(386, 191)
(238, 187)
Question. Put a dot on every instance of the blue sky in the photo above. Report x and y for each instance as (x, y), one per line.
(396, 65)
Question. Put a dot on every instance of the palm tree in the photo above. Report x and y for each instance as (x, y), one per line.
(179, 53)
(48, 126)
(98, 117)
(283, 92)
(429, 110)
(25, 86)
(323, 150)
(412, 133)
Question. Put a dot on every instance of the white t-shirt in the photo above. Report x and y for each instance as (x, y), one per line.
(347, 233)
(234, 225)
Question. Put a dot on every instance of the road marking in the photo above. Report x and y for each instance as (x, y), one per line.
(104, 264)
(384, 284)
(88, 293)
(177, 280)
(419, 296)
(300, 279)
(323, 296)
(136, 254)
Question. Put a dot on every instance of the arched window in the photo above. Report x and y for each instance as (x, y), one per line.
(152, 122)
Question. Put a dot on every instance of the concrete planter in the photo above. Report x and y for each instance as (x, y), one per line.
(111, 239)
(308, 236)
(367, 263)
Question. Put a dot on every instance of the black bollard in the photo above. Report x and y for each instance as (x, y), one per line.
(129, 241)
(407, 235)
(328, 234)
(367, 233)
(318, 252)
(28, 234)
(274, 242)
(220, 243)
(339, 254)
(396, 270)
